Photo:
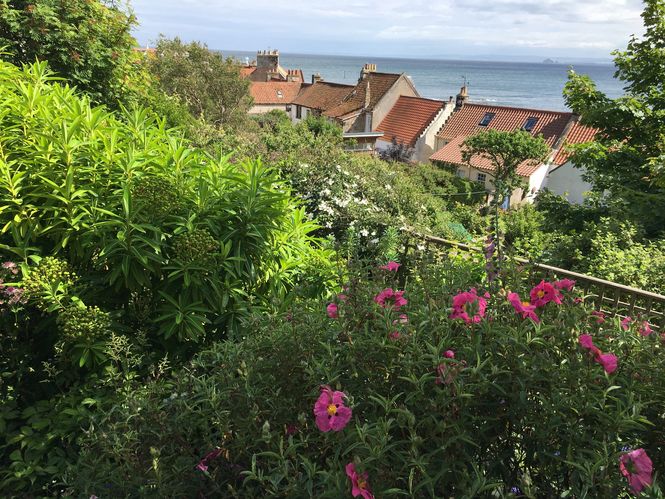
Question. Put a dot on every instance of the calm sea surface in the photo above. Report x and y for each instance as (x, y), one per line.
(534, 85)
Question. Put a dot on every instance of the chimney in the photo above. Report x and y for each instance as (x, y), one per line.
(316, 77)
(367, 69)
(367, 96)
(268, 59)
(462, 97)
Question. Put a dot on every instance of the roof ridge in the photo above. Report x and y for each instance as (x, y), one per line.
(478, 104)
(422, 98)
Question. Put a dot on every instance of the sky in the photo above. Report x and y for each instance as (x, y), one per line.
(458, 29)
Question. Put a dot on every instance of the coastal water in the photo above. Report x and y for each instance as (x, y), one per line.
(531, 85)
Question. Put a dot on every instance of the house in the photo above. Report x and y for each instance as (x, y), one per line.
(271, 95)
(563, 177)
(267, 68)
(414, 122)
(470, 118)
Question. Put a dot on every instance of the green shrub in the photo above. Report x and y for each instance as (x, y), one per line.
(521, 405)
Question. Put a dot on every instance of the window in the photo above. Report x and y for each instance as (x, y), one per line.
(530, 123)
(280, 95)
(298, 112)
(481, 177)
(486, 119)
(460, 173)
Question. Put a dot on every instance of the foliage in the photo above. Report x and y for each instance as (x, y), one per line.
(88, 43)
(122, 237)
(397, 152)
(522, 232)
(490, 420)
(627, 157)
(209, 85)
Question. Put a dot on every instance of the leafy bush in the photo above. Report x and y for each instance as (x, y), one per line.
(499, 407)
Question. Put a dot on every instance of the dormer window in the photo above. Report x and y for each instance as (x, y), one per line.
(530, 124)
(486, 119)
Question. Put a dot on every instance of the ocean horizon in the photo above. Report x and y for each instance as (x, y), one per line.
(536, 85)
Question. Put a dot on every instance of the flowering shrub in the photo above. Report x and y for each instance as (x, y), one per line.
(501, 406)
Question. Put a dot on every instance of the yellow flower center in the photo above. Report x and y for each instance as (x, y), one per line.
(332, 410)
(526, 303)
(540, 293)
(362, 484)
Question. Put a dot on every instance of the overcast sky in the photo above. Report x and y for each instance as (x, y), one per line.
(410, 28)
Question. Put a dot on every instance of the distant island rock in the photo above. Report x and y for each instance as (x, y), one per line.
(550, 61)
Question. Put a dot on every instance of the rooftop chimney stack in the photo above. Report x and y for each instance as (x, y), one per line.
(367, 69)
(462, 97)
(316, 77)
(268, 59)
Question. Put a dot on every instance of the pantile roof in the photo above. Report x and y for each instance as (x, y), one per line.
(552, 125)
(246, 71)
(322, 95)
(408, 118)
(578, 134)
(377, 84)
(274, 92)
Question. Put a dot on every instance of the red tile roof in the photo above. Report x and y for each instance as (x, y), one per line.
(246, 71)
(408, 118)
(274, 92)
(378, 84)
(322, 95)
(578, 134)
(552, 125)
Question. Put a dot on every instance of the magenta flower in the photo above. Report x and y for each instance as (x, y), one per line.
(586, 341)
(449, 354)
(442, 369)
(359, 483)
(391, 266)
(342, 297)
(645, 329)
(330, 411)
(523, 307)
(600, 316)
(543, 293)
(637, 467)
(391, 299)
(463, 300)
(203, 463)
(567, 284)
(609, 362)
(402, 319)
(625, 323)
(332, 310)
(395, 335)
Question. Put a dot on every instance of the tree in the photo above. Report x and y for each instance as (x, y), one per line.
(208, 84)
(627, 158)
(397, 151)
(506, 151)
(87, 42)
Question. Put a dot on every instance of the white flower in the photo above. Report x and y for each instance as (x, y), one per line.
(388, 187)
(374, 241)
(364, 232)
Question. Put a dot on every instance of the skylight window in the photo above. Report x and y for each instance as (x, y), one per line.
(279, 94)
(486, 119)
(530, 123)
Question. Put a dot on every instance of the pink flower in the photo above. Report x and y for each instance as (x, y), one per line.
(391, 299)
(390, 266)
(466, 298)
(359, 484)
(586, 341)
(402, 319)
(625, 323)
(332, 311)
(567, 284)
(637, 467)
(544, 293)
(523, 307)
(608, 361)
(395, 335)
(600, 316)
(203, 463)
(578, 300)
(645, 329)
(449, 354)
(330, 411)
(441, 370)
(342, 297)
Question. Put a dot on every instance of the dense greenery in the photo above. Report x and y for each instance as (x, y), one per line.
(87, 42)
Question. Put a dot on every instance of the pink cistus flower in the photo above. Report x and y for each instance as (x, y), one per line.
(395, 335)
(609, 362)
(332, 310)
(465, 299)
(625, 323)
(391, 299)
(359, 483)
(330, 411)
(637, 467)
(342, 297)
(586, 341)
(567, 284)
(203, 463)
(523, 307)
(599, 316)
(543, 293)
(441, 369)
(645, 329)
(391, 266)
(402, 319)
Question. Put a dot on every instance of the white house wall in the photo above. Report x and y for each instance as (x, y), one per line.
(426, 144)
(566, 181)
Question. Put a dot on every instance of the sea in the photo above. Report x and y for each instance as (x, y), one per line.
(519, 84)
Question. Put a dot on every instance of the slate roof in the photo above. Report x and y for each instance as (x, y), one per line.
(378, 84)
(552, 125)
(322, 95)
(409, 118)
(274, 92)
(578, 134)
